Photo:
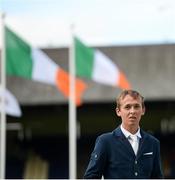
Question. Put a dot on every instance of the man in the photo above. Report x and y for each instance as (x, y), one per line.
(127, 152)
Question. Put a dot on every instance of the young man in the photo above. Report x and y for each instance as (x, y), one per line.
(127, 152)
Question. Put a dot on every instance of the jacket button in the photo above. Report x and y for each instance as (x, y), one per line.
(136, 173)
(135, 162)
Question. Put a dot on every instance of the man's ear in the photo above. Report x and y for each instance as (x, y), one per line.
(143, 111)
(117, 110)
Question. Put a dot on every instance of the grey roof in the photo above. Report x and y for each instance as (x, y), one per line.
(149, 68)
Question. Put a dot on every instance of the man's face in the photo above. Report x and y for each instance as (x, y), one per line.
(130, 111)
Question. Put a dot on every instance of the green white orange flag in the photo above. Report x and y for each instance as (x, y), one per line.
(27, 62)
(95, 65)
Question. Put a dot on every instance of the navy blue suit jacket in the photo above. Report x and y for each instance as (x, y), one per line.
(113, 157)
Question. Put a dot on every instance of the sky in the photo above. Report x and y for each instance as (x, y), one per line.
(48, 23)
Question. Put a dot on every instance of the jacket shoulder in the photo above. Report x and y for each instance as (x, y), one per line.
(151, 137)
(106, 137)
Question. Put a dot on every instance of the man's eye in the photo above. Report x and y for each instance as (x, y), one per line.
(127, 107)
(137, 106)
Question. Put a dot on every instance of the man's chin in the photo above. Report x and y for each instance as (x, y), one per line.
(133, 123)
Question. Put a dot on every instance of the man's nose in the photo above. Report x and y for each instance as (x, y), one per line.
(132, 109)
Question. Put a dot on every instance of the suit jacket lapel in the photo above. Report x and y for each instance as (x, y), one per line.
(123, 140)
(141, 146)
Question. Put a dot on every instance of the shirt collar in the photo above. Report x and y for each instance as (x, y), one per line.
(127, 133)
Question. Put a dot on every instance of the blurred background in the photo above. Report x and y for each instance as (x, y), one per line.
(138, 36)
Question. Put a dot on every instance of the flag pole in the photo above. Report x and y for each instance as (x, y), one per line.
(72, 113)
(3, 115)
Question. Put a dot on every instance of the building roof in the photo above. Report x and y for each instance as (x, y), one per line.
(149, 68)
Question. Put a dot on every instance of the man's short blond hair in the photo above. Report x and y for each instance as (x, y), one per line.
(132, 93)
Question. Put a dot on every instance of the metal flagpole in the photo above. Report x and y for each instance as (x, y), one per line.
(72, 113)
(3, 115)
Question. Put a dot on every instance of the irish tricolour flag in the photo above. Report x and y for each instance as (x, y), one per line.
(27, 62)
(95, 65)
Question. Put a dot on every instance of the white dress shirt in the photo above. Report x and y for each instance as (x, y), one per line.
(132, 138)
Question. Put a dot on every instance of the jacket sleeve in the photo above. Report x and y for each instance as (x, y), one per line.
(157, 170)
(97, 160)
